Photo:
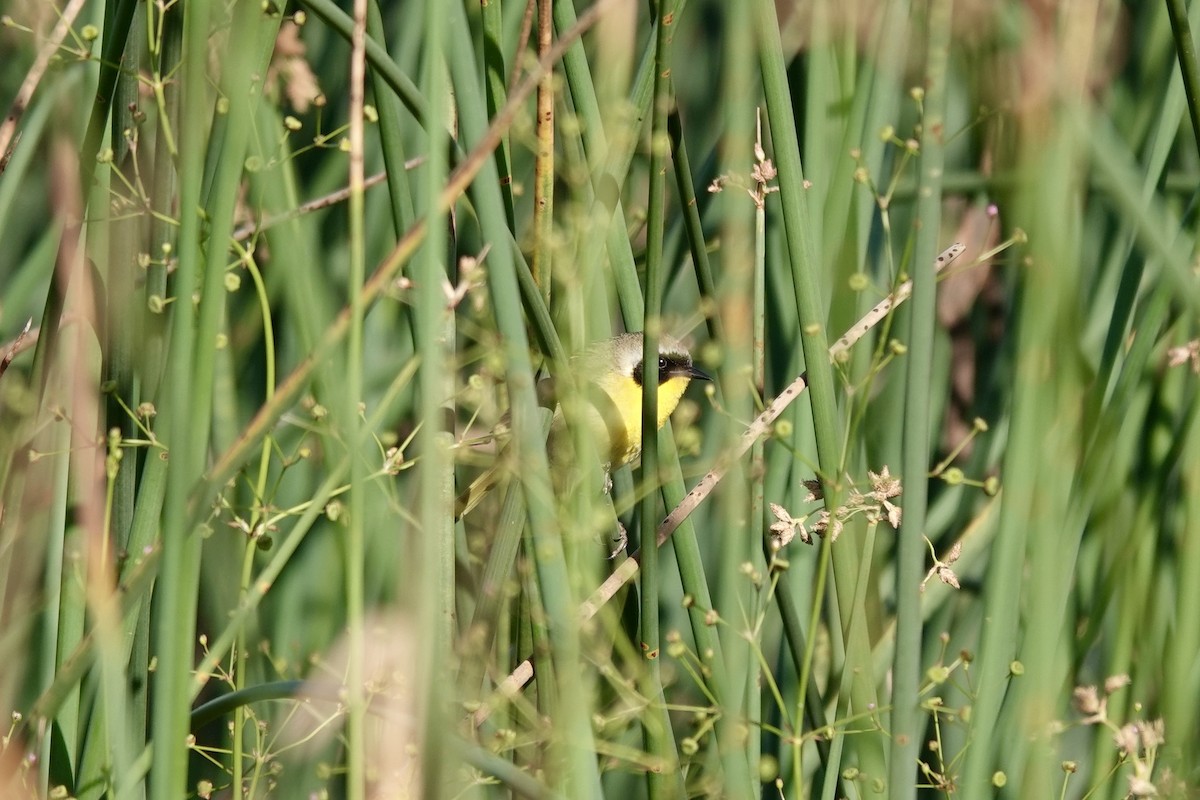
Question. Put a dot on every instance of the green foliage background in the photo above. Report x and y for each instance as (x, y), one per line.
(254, 385)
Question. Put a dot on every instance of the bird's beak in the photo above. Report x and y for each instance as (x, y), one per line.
(697, 374)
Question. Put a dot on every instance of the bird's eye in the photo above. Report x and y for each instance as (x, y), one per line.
(662, 363)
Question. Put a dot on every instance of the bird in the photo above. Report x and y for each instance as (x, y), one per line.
(611, 373)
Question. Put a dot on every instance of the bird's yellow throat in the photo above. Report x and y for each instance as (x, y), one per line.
(625, 438)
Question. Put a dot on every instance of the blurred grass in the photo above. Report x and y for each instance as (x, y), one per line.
(229, 461)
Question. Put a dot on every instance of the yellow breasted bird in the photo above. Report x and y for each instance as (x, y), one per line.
(612, 372)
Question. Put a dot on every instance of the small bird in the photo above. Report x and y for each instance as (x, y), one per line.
(612, 372)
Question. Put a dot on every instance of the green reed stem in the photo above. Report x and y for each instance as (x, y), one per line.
(907, 718)
(655, 723)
